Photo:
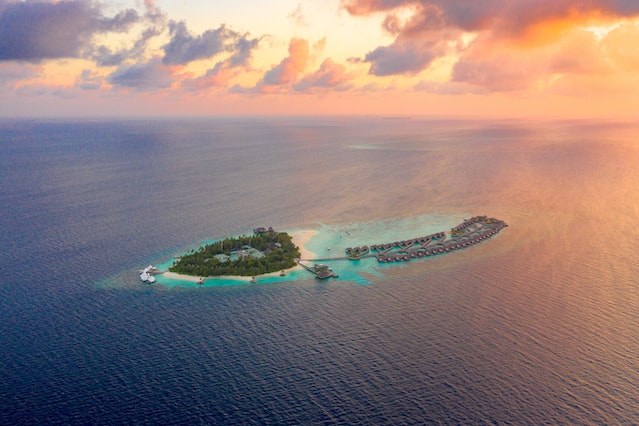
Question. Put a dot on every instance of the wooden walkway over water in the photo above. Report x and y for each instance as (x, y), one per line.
(320, 271)
(468, 233)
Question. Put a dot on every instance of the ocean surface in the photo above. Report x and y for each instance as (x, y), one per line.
(537, 325)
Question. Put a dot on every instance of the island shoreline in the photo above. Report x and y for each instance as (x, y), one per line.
(467, 233)
(300, 239)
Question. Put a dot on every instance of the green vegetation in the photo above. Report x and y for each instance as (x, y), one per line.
(258, 254)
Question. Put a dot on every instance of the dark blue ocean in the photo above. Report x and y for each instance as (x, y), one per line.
(535, 326)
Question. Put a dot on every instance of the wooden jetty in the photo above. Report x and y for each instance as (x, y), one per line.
(320, 270)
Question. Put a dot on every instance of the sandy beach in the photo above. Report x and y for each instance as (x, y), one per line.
(181, 277)
(300, 239)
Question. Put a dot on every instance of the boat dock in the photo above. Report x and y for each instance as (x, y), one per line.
(320, 271)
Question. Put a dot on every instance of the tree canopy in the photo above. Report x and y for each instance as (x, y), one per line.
(277, 248)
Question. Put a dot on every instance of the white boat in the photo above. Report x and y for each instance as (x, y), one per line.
(146, 276)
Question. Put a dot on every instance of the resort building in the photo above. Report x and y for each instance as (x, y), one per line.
(222, 257)
(246, 251)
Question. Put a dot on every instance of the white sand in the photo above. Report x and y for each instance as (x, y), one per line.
(181, 277)
(300, 238)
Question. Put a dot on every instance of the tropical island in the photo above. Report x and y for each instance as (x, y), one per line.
(269, 253)
(264, 252)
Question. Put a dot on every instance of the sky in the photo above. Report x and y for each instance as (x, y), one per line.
(448, 58)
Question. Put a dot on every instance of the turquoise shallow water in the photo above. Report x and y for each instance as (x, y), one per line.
(331, 241)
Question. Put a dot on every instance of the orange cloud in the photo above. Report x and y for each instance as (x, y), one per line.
(330, 75)
(621, 46)
(286, 72)
(279, 78)
(218, 76)
(509, 67)
(437, 27)
(580, 52)
(506, 16)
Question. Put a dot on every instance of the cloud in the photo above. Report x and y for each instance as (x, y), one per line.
(447, 88)
(505, 16)
(283, 76)
(185, 47)
(507, 67)
(36, 30)
(621, 46)
(105, 57)
(366, 7)
(89, 80)
(217, 76)
(376, 88)
(298, 17)
(144, 76)
(237, 89)
(436, 28)
(330, 75)
(400, 58)
(225, 70)
(33, 31)
(287, 71)
(421, 39)
(154, 21)
(580, 52)
(243, 50)
(500, 72)
(13, 71)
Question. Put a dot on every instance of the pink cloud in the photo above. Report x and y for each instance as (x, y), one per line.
(286, 72)
(507, 16)
(500, 72)
(330, 75)
(218, 76)
(518, 43)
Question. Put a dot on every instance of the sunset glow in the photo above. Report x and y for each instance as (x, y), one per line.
(546, 58)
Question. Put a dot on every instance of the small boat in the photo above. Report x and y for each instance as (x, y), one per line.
(253, 280)
(282, 274)
(200, 281)
(146, 274)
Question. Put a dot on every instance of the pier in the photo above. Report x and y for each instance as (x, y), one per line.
(468, 233)
(320, 271)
